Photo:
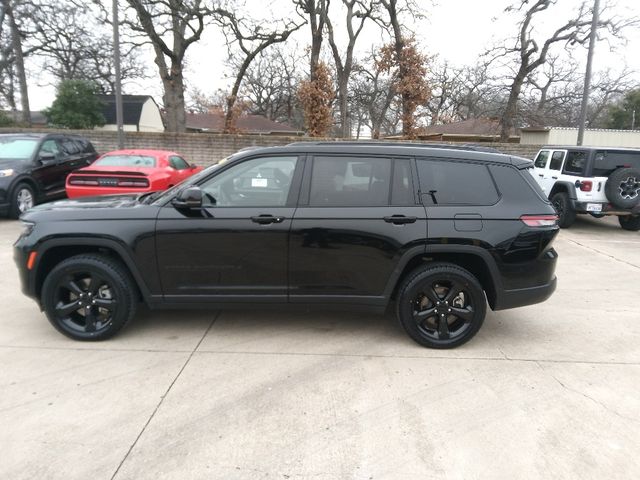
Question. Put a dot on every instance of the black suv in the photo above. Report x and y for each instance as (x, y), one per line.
(34, 167)
(309, 224)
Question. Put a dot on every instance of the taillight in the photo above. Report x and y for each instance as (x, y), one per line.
(81, 181)
(586, 186)
(133, 183)
(539, 220)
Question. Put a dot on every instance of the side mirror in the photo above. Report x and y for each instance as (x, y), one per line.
(193, 166)
(46, 157)
(189, 198)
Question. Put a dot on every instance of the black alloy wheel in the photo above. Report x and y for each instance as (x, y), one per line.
(89, 297)
(441, 306)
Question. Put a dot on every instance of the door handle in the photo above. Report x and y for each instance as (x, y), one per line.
(554, 178)
(541, 175)
(399, 219)
(266, 219)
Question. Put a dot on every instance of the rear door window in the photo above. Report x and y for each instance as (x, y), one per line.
(575, 163)
(350, 181)
(445, 182)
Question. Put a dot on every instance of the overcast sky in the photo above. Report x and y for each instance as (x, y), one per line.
(457, 31)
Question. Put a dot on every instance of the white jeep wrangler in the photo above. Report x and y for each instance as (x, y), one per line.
(591, 180)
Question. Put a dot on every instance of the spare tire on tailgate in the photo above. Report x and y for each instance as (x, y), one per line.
(623, 187)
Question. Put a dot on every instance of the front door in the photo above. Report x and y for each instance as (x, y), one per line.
(235, 249)
(49, 169)
(547, 168)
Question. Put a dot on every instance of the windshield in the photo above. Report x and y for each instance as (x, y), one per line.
(17, 148)
(126, 161)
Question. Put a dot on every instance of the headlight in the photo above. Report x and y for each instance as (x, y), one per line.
(6, 173)
(27, 228)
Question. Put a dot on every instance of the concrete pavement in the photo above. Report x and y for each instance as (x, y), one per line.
(548, 391)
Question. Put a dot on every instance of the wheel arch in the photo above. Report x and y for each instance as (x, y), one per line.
(475, 260)
(52, 252)
(566, 187)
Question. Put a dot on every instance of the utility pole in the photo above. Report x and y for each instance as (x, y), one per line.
(587, 76)
(116, 63)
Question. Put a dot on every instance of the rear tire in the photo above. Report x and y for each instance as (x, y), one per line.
(566, 214)
(89, 297)
(441, 305)
(630, 222)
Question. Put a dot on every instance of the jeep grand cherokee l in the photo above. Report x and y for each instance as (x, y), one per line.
(441, 232)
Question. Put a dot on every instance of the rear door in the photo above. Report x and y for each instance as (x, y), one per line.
(181, 169)
(356, 218)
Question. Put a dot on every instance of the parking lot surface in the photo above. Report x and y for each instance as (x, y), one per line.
(547, 391)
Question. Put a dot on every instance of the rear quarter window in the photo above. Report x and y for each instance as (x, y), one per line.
(517, 185)
(575, 163)
(447, 182)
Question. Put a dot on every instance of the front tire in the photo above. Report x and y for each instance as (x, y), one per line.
(22, 199)
(630, 222)
(89, 297)
(566, 214)
(441, 306)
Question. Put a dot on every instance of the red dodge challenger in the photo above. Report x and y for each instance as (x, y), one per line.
(129, 171)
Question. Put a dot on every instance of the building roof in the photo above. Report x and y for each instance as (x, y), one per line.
(255, 124)
(471, 127)
(131, 108)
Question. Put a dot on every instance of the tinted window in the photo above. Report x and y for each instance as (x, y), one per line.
(70, 147)
(260, 182)
(575, 162)
(344, 181)
(517, 184)
(606, 162)
(178, 163)
(456, 183)
(402, 188)
(556, 161)
(50, 147)
(126, 161)
(541, 159)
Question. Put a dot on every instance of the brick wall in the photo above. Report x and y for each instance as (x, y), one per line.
(205, 148)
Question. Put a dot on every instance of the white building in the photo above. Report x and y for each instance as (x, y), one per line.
(569, 136)
(140, 113)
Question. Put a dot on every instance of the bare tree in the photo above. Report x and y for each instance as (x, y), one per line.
(316, 11)
(15, 13)
(157, 22)
(75, 46)
(403, 55)
(270, 85)
(373, 94)
(529, 55)
(357, 12)
(251, 38)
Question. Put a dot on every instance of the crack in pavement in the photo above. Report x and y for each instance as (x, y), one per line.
(603, 253)
(135, 442)
(588, 397)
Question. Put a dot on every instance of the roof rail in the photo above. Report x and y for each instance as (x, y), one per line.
(469, 147)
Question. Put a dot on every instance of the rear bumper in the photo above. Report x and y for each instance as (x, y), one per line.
(607, 208)
(525, 296)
